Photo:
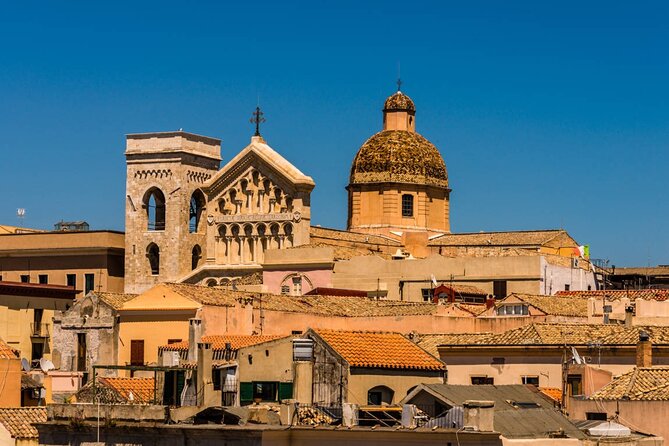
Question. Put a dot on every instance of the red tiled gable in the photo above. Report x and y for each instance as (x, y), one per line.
(18, 421)
(7, 352)
(218, 342)
(379, 350)
(142, 389)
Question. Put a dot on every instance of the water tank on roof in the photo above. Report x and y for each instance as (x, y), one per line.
(610, 429)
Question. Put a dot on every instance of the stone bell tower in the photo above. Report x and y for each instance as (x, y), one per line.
(165, 231)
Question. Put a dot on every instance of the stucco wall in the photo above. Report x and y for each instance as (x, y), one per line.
(10, 382)
(154, 333)
(271, 361)
(360, 381)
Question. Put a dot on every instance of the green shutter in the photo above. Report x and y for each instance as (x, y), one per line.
(245, 392)
(285, 391)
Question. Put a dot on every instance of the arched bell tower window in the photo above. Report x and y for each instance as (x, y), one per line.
(196, 256)
(154, 202)
(153, 254)
(196, 208)
(407, 205)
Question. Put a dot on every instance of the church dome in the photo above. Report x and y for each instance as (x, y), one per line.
(399, 156)
(399, 101)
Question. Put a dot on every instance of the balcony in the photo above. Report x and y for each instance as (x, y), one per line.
(39, 330)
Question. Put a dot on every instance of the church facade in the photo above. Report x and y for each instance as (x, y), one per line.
(247, 225)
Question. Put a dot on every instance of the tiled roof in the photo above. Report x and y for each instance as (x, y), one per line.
(19, 420)
(379, 350)
(131, 390)
(430, 342)
(319, 232)
(27, 382)
(647, 294)
(553, 393)
(639, 384)
(508, 238)
(218, 343)
(569, 334)
(553, 305)
(114, 300)
(7, 352)
(465, 289)
(661, 270)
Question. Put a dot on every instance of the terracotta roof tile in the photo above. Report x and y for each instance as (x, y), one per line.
(218, 343)
(570, 334)
(552, 305)
(19, 421)
(506, 238)
(553, 393)
(114, 300)
(131, 390)
(379, 350)
(430, 342)
(639, 384)
(647, 294)
(7, 352)
(660, 270)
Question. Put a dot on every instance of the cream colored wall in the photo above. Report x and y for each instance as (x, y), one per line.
(154, 333)
(5, 437)
(277, 366)
(359, 385)
(10, 382)
(15, 326)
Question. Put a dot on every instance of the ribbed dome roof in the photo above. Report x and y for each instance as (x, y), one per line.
(399, 156)
(399, 101)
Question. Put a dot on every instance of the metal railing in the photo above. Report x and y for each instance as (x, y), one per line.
(39, 330)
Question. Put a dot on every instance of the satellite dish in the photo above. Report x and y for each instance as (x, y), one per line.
(46, 365)
(25, 365)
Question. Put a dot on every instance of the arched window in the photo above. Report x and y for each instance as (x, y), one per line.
(153, 254)
(196, 208)
(154, 202)
(196, 256)
(380, 395)
(407, 205)
(211, 282)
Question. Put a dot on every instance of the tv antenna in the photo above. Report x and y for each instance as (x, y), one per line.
(20, 214)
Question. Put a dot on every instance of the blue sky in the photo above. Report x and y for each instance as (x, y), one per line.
(548, 114)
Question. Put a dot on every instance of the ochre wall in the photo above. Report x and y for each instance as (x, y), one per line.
(154, 333)
(10, 386)
(399, 381)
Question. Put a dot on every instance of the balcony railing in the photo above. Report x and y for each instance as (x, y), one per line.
(39, 330)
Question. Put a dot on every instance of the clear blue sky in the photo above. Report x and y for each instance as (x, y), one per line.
(548, 114)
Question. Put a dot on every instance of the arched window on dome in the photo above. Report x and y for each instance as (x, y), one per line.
(407, 205)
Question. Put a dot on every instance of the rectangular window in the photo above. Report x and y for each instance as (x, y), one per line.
(566, 287)
(25, 278)
(478, 380)
(81, 352)
(426, 293)
(89, 282)
(137, 352)
(499, 289)
(72, 280)
(534, 380)
(265, 391)
(43, 279)
(598, 416)
(407, 205)
(575, 385)
(285, 289)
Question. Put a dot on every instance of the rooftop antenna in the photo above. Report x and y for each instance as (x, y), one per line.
(20, 214)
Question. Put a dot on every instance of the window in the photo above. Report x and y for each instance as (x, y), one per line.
(89, 282)
(173, 341)
(137, 352)
(598, 416)
(285, 289)
(81, 352)
(426, 293)
(566, 287)
(196, 255)
(25, 278)
(513, 310)
(153, 254)
(499, 289)
(407, 205)
(574, 385)
(479, 380)
(37, 350)
(154, 202)
(265, 391)
(195, 214)
(534, 380)
(43, 279)
(72, 280)
(297, 286)
(379, 395)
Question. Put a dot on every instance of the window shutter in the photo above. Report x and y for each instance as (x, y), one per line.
(285, 391)
(245, 392)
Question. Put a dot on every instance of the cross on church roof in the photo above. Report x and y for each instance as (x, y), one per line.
(257, 119)
(399, 84)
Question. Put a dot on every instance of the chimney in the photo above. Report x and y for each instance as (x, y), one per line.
(490, 302)
(644, 351)
(204, 386)
(194, 337)
(629, 315)
(479, 415)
